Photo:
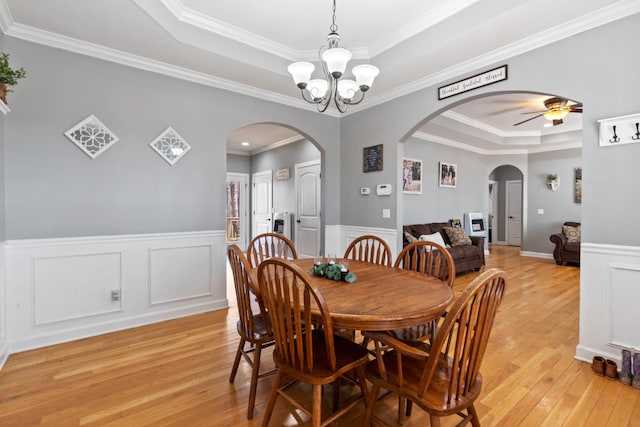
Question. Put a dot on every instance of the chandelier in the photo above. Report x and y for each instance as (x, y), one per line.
(333, 86)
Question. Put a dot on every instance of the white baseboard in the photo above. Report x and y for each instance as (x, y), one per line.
(536, 254)
(4, 352)
(63, 289)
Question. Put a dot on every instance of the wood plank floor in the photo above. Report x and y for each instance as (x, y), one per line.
(176, 373)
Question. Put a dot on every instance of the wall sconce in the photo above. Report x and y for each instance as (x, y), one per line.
(553, 181)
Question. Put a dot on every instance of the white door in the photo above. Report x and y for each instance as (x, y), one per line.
(514, 213)
(308, 209)
(238, 209)
(262, 203)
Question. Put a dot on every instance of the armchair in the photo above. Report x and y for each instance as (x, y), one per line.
(567, 244)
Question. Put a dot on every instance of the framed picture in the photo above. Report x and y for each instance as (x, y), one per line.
(411, 176)
(448, 175)
(577, 189)
(372, 158)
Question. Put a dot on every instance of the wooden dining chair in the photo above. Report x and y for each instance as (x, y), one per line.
(428, 258)
(369, 249)
(311, 355)
(251, 325)
(269, 245)
(443, 379)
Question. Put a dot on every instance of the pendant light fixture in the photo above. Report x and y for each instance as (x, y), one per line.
(333, 86)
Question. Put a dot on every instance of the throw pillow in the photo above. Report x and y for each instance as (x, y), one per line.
(435, 238)
(410, 238)
(457, 236)
(572, 233)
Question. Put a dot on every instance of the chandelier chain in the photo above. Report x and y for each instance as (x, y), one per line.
(334, 27)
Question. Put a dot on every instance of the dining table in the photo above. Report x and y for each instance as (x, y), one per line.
(381, 298)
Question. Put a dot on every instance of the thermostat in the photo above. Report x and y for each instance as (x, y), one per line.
(383, 189)
(365, 191)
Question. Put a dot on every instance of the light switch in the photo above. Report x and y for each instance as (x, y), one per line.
(540, 211)
(386, 213)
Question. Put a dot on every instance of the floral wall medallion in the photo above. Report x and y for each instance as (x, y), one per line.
(170, 145)
(91, 136)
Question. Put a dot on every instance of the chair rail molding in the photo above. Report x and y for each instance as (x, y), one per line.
(63, 289)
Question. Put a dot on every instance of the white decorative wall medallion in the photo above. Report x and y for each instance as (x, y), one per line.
(170, 145)
(93, 137)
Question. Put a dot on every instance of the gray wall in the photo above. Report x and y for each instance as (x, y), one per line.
(559, 206)
(437, 204)
(238, 163)
(287, 156)
(601, 85)
(55, 190)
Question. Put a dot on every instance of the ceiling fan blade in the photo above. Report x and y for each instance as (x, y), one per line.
(535, 112)
(531, 118)
(576, 110)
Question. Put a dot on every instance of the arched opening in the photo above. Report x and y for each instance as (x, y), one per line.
(479, 134)
(277, 162)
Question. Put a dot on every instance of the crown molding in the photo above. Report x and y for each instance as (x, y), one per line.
(6, 19)
(100, 52)
(603, 16)
(277, 144)
(499, 152)
(600, 17)
(461, 118)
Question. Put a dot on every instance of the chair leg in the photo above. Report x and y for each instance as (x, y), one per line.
(236, 361)
(370, 405)
(435, 421)
(475, 420)
(255, 372)
(272, 399)
(316, 411)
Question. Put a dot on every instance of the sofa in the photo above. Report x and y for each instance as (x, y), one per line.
(465, 257)
(567, 244)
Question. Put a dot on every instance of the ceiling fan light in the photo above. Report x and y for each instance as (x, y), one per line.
(301, 73)
(317, 88)
(336, 60)
(557, 113)
(347, 89)
(365, 73)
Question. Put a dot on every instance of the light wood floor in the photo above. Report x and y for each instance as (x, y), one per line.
(176, 373)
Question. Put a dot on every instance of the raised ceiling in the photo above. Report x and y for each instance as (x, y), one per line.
(246, 45)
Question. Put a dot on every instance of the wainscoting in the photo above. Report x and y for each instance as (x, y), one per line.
(338, 237)
(609, 296)
(59, 290)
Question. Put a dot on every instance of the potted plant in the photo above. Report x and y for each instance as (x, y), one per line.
(553, 181)
(8, 76)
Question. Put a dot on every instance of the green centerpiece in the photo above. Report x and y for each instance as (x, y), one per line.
(333, 271)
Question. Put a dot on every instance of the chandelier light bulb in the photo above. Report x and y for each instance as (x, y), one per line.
(347, 88)
(317, 88)
(301, 73)
(365, 74)
(336, 60)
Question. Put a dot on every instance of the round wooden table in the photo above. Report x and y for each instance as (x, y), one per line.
(382, 298)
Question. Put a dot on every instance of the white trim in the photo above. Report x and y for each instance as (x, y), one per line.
(602, 326)
(536, 254)
(134, 282)
(338, 237)
(594, 19)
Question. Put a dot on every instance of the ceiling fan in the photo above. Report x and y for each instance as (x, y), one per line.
(556, 110)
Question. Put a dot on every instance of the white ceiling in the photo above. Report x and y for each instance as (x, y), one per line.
(246, 46)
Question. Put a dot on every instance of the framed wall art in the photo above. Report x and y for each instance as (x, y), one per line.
(372, 158)
(411, 176)
(448, 176)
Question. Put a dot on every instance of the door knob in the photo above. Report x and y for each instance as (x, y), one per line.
(298, 221)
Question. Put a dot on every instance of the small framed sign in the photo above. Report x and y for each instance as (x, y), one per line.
(372, 158)
(483, 79)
